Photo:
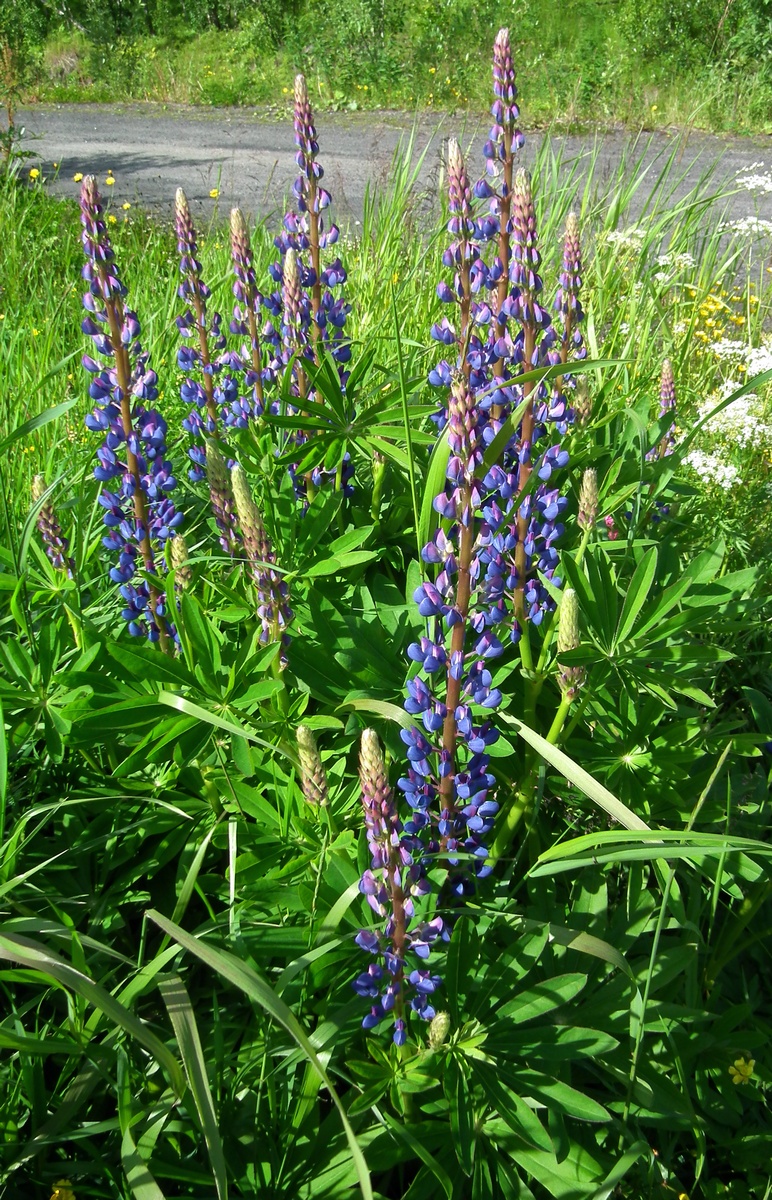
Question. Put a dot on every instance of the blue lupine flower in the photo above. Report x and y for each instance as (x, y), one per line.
(139, 515)
(394, 881)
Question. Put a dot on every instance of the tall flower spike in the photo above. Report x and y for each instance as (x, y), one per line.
(588, 499)
(567, 302)
(570, 679)
(667, 407)
(273, 604)
(221, 498)
(246, 310)
(313, 777)
(393, 882)
(50, 530)
(202, 389)
(179, 561)
(447, 782)
(139, 515)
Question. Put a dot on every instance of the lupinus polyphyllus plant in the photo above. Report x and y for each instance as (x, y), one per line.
(246, 313)
(313, 777)
(447, 783)
(221, 497)
(139, 514)
(667, 407)
(306, 315)
(202, 394)
(179, 561)
(519, 338)
(570, 679)
(392, 883)
(273, 604)
(54, 542)
(588, 500)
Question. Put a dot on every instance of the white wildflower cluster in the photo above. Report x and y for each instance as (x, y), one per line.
(753, 181)
(741, 423)
(760, 358)
(747, 226)
(631, 238)
(681, 262)
(729, 348)
(713, 468)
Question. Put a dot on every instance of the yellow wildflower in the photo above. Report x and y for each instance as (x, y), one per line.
(126, 206)
(109, 181)
(36, 333)
(741, 1070)
(77, 176)
(214, 193)
(34, 173)
(112, 219)
(63, 1190)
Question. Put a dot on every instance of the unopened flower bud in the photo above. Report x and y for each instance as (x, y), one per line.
(570, 679)
(439, 1029)
(313, 777)
(588, 499)
(582, 401)
(54, 541)
(180, 561)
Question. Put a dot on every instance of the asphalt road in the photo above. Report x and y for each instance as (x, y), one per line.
(249, 156)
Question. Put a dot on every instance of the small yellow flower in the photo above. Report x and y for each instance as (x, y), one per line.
(741, 1070)
(654, 108)
(77, 176)
(63, 1190)
(109, 181)
(126, 206)
(36, 333)
(2, 316)
(34, 173)
(432, 70)
(286, 91)
(56, 165)
(112, 219)
(214, 193)
(109, 170)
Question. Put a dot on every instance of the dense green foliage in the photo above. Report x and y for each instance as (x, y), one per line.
(683, 61)
(178, 921)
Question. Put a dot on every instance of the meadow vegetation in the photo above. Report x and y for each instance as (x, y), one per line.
(386, 690)
(588, 62)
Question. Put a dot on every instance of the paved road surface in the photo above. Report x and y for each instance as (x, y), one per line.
(249, 156)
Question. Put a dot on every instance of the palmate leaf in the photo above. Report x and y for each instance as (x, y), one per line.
(249, 982)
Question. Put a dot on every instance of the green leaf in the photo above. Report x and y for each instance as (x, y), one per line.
(521, 1119)
(38, 422)
(543, 998)
(249, 982)
(577, 775)
(180, 1011)
(420, 1151)
(461, 1115)
(434, 484)
(462, 957)
(637, 593)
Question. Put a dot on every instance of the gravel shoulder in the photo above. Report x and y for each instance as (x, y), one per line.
(248, 157)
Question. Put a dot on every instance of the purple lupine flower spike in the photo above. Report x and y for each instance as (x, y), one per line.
(504, 142)
(567, 302)
(247, 309)
(50, 529)
(667, 407)
(211, 387)
(139, 514)
(273, 600)
(392, 883)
